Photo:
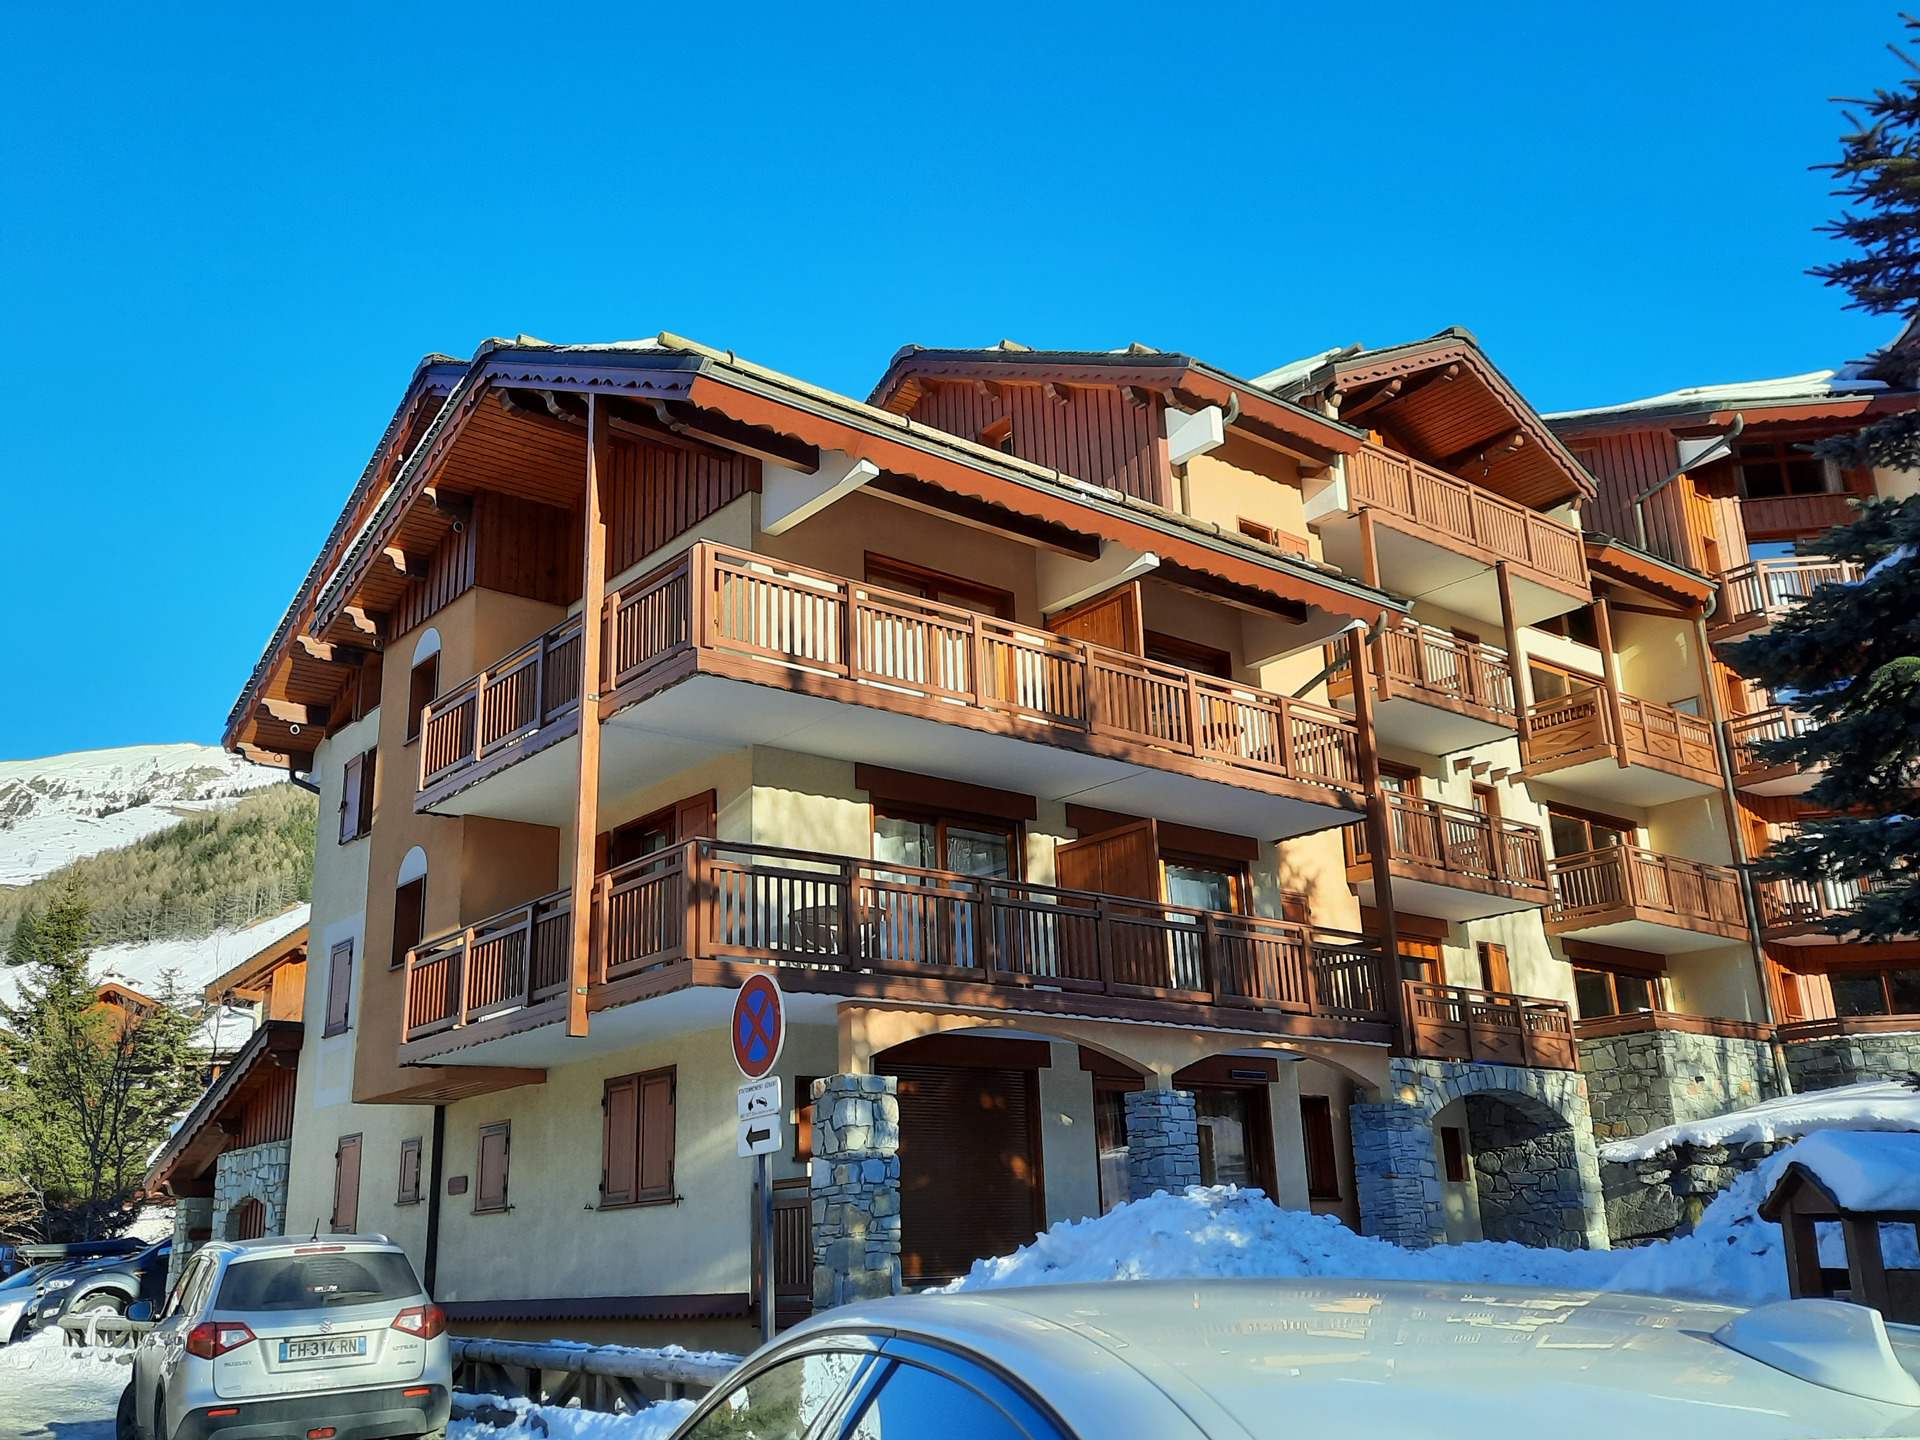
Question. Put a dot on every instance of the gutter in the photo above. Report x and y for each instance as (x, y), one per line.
(1639, 501)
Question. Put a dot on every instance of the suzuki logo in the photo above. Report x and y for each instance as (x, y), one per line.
(326, 1327)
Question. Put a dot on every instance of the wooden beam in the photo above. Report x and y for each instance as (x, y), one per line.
(288, 713)
(1139, 396)
(1485, 452)
(365, 622)
(1610, 668)
(325, 653)
(586, 799)
(982, 515)
(632, 418)
(1381, 395)
(1522, 680)
(1059, 394)
(414, 567)
(729, 434)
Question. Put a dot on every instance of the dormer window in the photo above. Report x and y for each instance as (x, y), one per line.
(1769, 468)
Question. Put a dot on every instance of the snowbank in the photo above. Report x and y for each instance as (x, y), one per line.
(1863, 1170)
(1732, 1256)
(1869, 1105)
(567, 1423)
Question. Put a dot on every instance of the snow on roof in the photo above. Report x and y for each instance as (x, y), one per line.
(1813, 385)
(1869, 1105)
(1282, 376)
(1859, 1169)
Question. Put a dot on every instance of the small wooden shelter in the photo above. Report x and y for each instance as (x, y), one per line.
(1859, 1180)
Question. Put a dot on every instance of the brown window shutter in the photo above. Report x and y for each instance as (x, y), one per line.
(346, 1185)
(620, 1134)
(409, 1171)
(350, 797)
(423, 685)
(1316, 1125)
(1125, 862)
(695, 817)
(409, 915)
(495, 1147)
(1112, 620)
(339, 987)
(1494, 974)
(656, 1136)
(369, 768)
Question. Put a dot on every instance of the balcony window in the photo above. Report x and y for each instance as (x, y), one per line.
(1204, 885)
(1552, 682)
(1600, 990)
(1767, 468)
(1575, 832)
(1875, 992)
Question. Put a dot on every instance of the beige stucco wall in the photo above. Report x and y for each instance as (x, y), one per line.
(1243, 479)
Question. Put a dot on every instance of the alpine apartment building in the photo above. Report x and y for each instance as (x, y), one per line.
(1136, 775)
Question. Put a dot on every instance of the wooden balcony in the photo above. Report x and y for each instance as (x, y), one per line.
(1619, 748)
(725, 648)
(1792, 912)
(1451, 862)
(1752, 772)
(1837, 1027)
(693, 915)
(1451, 1022)
(1643, 900)
(1645, 1022)
(1755, 595)
(1438, 536)
(1435, 692)
(1794, 517)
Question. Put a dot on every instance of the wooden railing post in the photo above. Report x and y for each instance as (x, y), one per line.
(850, 934)
(1192, 692)
(986, 932)
(466, 975)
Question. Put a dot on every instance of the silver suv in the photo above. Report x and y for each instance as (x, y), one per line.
(332, 1339)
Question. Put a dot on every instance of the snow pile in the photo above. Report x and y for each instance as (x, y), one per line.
(1869, 1105)
(46, 1387)
(531, 1421)
(1863, 1170)
(63, 807)
(1222, 1232)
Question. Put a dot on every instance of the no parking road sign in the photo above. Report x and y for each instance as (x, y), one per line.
(759, 1026)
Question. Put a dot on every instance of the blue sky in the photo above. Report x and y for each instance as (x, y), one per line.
(226, 237)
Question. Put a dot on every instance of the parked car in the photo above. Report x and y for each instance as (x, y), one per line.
(284, 1336)
(104, 1286)
(1254, 1359)
(47, 1269)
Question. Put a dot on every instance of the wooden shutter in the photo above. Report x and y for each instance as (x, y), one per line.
(619, 1140)
(350, 797)
(695, 817)
(422, 686)
(656, 1136)
(409, 1172)
(1112, 620)
(1494, 974)
(339, 987)
(369, 767)
(346, 1185)
(409, 915)
(1316, 1127)
(490, 1190)
(1125, 861)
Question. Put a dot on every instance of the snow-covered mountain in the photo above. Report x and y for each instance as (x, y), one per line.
(65, 806)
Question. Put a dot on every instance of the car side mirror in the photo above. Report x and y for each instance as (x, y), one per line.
(140, 1311)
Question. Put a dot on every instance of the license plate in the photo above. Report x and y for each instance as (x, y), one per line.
(324, 1347)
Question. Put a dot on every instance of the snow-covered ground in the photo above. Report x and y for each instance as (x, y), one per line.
(531, 1421)
(1869, 1105)
(62, 807)
(51, 1393)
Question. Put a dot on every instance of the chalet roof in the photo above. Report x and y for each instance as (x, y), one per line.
(250, 972)
(1486, 424)
(198, 1139)
(1616, 559)
(1858, 1170)
(1704, 401)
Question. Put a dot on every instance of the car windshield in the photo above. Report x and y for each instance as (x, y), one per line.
(308, 1282)
(32, 1275)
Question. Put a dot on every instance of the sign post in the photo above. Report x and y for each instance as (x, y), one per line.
(758, 1034)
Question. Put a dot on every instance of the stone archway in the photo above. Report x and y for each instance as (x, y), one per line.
(247, 1220)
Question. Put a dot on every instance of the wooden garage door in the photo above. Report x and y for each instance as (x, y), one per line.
(969, 1166)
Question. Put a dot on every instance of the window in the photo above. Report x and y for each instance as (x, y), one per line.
(490, 1190)
(423, 685)
(998, 436)
(930, 1406)
(356, 796)
(346, 1185)
(1603, 990)
(1575, 832)
(637, 1139)
(409, 1193)
(1202, 884)
(1235, 1142)
(1778, 467)
(1576, 625)
(1875, 992)
(941, 588)
(1494, 973)
(1553, 682)
(339, 987)
(314, 1282)
(1453, 1153)
(1110, 1139)
(1187, 654)
(970, 846)
(1316, 1129)
(409, 919)
(1419, 960)
(783, 1401)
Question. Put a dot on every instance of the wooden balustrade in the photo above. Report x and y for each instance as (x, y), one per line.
(1465, 512)
(1787, 904)
(1628, 881)
(1782, 517)
(1440, 665)
(529, 689)
(707, 900)
(1456, 841)
(1569, 726)
(1762, 590)
(1746, 732)
(1454, 1022)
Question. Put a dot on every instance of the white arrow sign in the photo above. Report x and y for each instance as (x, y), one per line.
(760, 1097)
(760, 1135)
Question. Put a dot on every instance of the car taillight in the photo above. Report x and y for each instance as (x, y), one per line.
(211, 1339)
(426, 1321)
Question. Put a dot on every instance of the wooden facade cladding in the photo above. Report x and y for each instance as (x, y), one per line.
(1436, 667)
(1485, 524)
(268, 1112)
(851, 926)
(1453, 1022)
(1627, 882)
(251, 1103)
(1091, 432)
(1594, 722)
(717, 610)
(1791, 517)
(1687, 522)
(658, 492)
(1456, 846)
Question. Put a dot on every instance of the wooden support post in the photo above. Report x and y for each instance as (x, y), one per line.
(586, 805)
(1516, 663)
(1376, 828)
(1369, 554)
(1610, 667)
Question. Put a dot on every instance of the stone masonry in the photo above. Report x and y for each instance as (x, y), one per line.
(855, 1189)
(1163, 1142)
(1665, 1194)
(1397, 1175)
(1525, 1174)
(258, 1172)
(192, 1226)
(1642, 1081)
(1845, 1059)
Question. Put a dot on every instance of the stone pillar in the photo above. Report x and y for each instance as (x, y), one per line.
(1163, 1142)
(855, 1189)
(192, 1219)
(1396, 1175)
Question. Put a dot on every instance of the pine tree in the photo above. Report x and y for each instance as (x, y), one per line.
(87, 1093)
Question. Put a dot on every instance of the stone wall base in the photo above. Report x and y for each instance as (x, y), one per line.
(855, 1189)
(1642, 1081)
(1665, 1195)
(1848, 1059)
(1163, 1142)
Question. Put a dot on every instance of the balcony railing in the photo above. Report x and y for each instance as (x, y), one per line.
(1784, 517)
(1465, 512)
(778, 624)
(1573, 724)
(1436, 666)
(1834, 1027)
(1761, 591)
(1452, 1022)
(1459, 842)
(1802, 904)
(1627, 881)
(831, 915)
(1746, 732)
